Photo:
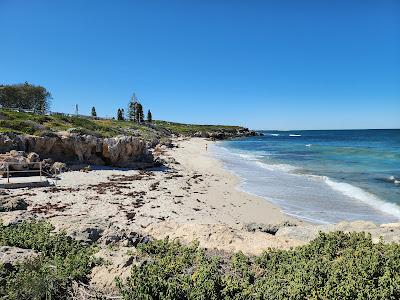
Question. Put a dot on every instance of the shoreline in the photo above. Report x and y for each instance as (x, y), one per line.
(257, 209)
(193, 198)
(301, 193)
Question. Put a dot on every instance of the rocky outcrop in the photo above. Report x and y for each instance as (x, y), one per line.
(225, 134)
(121, 151)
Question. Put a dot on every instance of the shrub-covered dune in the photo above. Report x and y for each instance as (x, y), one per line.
(30, 123)
(333, 266)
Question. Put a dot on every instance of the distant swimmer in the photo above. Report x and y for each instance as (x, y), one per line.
(206, 147)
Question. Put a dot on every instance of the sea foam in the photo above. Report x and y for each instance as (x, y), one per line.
(311, 197)
(364, 196)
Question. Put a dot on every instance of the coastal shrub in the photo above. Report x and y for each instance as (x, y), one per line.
(14, 121)
(61, 260)
(333, 266)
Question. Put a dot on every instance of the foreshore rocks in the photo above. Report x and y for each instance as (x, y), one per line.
(226, 134)
(121, 151)
(28, 164)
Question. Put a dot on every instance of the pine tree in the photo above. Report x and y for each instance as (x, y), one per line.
(149, 116)
(132, 108)
(139, 113)
(94, 114)
(120, 116)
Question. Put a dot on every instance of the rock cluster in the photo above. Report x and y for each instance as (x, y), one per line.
(121, 151)
(13, 203)
(23, 161)
(225, 134)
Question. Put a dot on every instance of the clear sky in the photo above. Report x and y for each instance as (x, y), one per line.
(263, 64)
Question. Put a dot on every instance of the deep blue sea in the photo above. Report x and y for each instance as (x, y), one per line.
(322, 176)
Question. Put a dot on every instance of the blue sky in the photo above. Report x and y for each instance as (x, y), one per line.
(262, 64)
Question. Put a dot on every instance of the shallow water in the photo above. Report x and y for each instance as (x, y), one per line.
(323, 176)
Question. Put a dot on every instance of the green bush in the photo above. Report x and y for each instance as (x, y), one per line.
(333, 266)
(61, 261)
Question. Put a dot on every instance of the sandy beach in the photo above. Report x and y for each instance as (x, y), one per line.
(192, 198)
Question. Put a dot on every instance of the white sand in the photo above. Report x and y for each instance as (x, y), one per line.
(195, 199)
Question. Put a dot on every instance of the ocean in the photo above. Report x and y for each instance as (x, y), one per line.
(322, 176)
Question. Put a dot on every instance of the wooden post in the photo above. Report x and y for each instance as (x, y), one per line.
(40, 171)
(8, 173)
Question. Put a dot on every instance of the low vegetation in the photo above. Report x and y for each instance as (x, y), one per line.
(333, 266)
(62, 260)
(35, 124)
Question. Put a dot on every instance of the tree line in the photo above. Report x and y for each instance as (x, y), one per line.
(135, 112)
(36, 98)
(25, 96)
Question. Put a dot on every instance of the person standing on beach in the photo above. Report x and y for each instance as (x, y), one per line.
(206, 147)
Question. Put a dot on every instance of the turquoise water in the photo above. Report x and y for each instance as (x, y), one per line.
(322, 176)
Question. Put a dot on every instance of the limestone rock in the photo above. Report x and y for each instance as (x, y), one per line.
(267, 228)
(15, 160)
(58, 167)
(119, 263)
(9, 256)
(121, 151)
(10, 204)
(32, 157)
(123, 237)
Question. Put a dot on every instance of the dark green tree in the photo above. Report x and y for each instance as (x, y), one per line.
(132, 108)
(94, 114)
(149, 116)
(25, 96)
(120, 115)
(139, 113)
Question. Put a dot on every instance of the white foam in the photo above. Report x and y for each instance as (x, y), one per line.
(308, 145)
(273, 134)
(364, 196)
(277, 167)
(312, 197)
(394, 180)
(249, 156)
(294, 134)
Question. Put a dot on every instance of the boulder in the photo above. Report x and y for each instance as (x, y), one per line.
(10, 256)
(15, 160)
(10, 204)
(58, 167)
(32, 157)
